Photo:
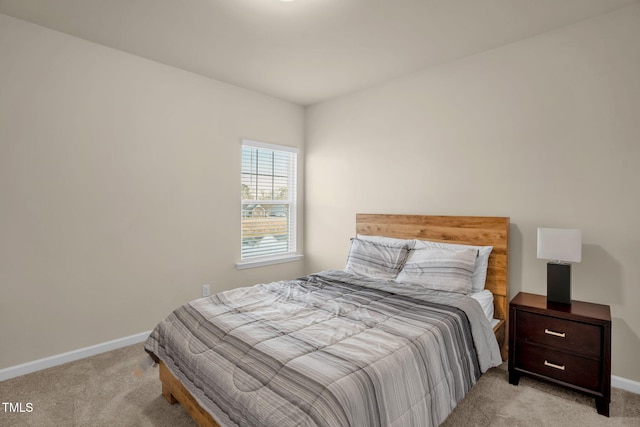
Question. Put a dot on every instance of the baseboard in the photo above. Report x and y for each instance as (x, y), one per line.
(625, 384)
(59, 359)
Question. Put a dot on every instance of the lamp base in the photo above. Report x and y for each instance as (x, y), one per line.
(559, 283)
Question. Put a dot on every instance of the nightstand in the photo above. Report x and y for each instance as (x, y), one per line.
(569, 345)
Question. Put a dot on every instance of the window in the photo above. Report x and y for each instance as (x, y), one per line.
(268, 193)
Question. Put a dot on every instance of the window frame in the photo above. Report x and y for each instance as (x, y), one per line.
(292, 237)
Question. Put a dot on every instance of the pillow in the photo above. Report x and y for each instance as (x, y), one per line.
(389, 241)
(485, 298)
(440, 269)
(479, 276)
(375, 260)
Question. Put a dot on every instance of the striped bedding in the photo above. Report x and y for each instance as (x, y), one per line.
(329, 349)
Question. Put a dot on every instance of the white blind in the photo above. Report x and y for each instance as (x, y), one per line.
(268, 200)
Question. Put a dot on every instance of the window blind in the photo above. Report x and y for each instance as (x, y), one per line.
(268, 193)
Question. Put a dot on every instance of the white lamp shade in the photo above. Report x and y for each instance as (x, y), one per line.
(560, 244)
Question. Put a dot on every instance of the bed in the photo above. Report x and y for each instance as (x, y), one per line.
(340, 347)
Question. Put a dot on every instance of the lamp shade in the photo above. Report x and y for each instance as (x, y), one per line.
(560, 244)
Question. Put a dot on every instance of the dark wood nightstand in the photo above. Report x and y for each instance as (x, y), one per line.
(568, 345)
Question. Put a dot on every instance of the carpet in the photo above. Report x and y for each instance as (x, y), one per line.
(102, 390)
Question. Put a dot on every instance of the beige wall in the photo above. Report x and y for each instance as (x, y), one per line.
(545, 131)
(119, 189)
(111, 215)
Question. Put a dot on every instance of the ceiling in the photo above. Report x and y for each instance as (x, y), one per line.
(305, 51)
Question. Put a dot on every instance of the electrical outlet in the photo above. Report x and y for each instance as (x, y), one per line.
(205, 290)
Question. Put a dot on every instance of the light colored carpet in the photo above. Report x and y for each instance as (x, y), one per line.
(102, 391)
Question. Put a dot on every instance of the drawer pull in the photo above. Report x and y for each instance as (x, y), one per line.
(555, 334)
(553, 365)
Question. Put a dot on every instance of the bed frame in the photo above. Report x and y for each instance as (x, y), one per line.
(471, 230)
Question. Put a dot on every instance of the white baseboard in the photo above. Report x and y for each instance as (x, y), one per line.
(625, 384)
(59, 359)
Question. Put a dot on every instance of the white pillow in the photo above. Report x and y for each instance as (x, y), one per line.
(375, 260)
(389, 241)
(485, 298)
(479, 277)
(440, 269)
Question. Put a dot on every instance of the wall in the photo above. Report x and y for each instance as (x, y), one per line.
(545, 131)
(119, 189)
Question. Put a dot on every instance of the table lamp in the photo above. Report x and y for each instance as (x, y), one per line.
(561, 246)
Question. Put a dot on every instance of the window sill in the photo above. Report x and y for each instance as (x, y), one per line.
(264, 261)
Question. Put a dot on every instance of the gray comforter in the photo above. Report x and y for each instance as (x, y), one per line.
(329, 349)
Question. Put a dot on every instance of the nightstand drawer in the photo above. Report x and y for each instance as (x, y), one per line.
(569, 368)
(569, 335)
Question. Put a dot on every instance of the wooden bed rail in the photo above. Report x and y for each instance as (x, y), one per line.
(174, 392)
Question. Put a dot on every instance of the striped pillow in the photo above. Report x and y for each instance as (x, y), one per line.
(388, 241)
(440, 269)
(375, 260)
(479, 277)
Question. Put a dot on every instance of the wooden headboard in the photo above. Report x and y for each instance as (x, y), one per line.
(470, 230)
